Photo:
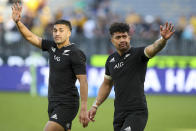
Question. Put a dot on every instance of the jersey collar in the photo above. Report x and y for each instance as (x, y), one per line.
(128, 51)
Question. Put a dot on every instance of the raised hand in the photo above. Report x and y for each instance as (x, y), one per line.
(167, 30)
(16, 12)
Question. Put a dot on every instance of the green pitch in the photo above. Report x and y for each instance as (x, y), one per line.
(21, 112)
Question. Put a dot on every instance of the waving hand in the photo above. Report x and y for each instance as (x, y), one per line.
(167, 31)
(16, 12)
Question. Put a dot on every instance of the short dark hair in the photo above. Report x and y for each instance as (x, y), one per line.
(119, 27)
(64, 22)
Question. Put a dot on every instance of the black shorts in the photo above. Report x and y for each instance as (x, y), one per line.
(130, 121)
(62, 114)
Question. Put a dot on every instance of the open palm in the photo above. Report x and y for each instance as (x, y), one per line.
(167, 31)
(16, 12)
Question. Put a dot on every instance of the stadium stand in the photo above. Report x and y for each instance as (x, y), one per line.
(91, 19)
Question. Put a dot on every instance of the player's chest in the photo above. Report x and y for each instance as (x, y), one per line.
(59, 58)
(121, 65)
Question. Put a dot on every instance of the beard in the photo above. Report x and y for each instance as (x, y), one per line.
(58, 43)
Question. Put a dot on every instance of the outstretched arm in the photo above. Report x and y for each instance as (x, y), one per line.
(103, 93)
(27, 34)
(166, 32)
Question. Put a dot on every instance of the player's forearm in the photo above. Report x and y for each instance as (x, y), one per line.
(28, 35)
(104, 92)
(84, 94)
(154, 48)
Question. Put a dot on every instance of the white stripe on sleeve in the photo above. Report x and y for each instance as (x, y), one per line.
(146, 54)
(108, 77)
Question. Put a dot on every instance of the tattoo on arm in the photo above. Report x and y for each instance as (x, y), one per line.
(159, 44)
(154, 48)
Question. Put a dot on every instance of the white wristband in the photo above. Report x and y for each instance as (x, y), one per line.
(95, 104)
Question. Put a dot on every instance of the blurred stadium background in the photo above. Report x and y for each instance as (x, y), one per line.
(171, 77)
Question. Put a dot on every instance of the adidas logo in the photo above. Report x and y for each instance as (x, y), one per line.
(53, 49)
(112, 60)
(127, 129)
(54, 116)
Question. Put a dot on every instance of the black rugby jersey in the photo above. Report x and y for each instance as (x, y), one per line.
(65, 64)
(128, 75)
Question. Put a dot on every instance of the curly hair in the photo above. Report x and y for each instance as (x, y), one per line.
(119, 27)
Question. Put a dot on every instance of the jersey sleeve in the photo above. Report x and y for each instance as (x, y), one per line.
(78, 61)
(107, 72)
(46, 44)
(143, 55)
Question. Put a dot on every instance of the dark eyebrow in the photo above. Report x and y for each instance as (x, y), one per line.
(117, 36)
(124, 35)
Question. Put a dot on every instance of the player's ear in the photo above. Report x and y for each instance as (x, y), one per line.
(111, 39)
(69, 33)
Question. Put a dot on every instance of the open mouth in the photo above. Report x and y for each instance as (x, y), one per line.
(123, 44)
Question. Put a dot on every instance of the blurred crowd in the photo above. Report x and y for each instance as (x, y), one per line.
(90, 21)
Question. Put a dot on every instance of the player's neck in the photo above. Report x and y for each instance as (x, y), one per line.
(122, 52)
(66, 43)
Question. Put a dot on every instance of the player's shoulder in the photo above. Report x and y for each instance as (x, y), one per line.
(111, 58)
(76, 50)
(136, 50)
(47, 44)
(112, 55)
(48, 41)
